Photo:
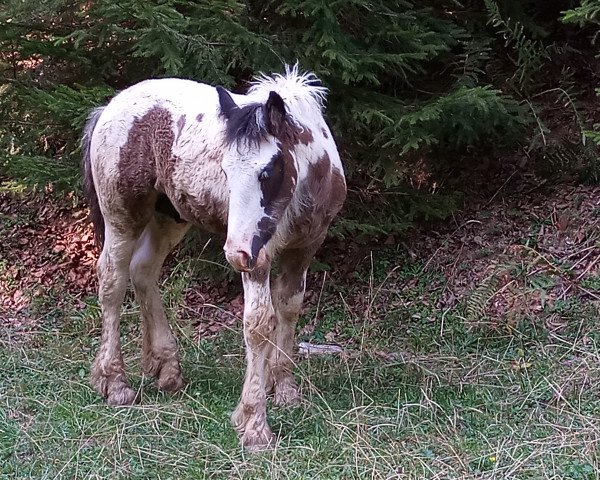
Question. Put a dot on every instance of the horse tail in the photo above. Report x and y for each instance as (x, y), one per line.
(89, 189)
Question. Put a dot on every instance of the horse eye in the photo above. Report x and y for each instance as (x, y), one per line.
(265, 174)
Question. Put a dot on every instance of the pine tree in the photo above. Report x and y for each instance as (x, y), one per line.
(408, 80)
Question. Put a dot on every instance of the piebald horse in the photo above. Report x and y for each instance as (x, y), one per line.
(263, 168)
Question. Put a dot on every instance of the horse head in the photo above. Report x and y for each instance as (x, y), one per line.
(261, 175)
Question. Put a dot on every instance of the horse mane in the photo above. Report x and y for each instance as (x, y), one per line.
(302, 93)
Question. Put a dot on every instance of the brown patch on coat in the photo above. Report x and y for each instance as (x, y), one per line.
(324, 130)
(318, 179)
(199, 117)
(270, 187)
(338, 191)
(295, 134)
(305, 136)
(265, 228)
(149, 141)
(323, 194)
(292, 264)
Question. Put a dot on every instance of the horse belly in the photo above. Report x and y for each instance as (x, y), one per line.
(203, 211)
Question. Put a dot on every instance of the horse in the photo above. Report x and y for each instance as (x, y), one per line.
(261, 168)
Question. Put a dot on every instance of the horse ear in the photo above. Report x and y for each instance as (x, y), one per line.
(276, 117)
(228, 106)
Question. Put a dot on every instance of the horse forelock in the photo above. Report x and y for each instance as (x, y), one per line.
(301, 91)
(303, 96)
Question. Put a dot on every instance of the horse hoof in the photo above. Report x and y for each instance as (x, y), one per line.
(171, 384)
(239, 420)
(259, 440)
(121, 396)
(287, 394)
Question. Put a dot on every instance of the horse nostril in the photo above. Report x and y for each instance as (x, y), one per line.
(245, 259)
(240, 259)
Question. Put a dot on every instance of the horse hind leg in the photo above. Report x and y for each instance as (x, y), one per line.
(160, 357)
(108, 368)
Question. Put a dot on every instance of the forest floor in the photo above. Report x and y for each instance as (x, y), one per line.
(470, 349)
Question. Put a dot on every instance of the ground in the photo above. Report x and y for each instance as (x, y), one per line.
(470, 350)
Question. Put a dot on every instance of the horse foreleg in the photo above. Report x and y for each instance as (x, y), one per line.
(108, 369)
(160, 357)
(250, 416)
(288, 294)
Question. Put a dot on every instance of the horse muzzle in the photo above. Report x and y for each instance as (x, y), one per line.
(241, 259)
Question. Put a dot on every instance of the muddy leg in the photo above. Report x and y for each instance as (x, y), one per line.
(250, 416)
(288, 294)
(108, 369)
(160, 357)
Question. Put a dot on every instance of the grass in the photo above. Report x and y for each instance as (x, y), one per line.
(408, 399)
(443, 376)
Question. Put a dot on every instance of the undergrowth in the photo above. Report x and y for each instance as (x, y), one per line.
(417, 402)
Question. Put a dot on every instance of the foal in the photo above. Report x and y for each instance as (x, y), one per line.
(263, 168)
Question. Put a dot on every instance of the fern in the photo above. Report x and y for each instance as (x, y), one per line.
(586, 13)
(393, 213)
(465, 116)
(40, 170)
(67, 105)
(480, 297)
(593, 135)
(531, 54)
(472, 63)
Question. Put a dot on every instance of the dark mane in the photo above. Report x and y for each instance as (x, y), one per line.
(242, 125)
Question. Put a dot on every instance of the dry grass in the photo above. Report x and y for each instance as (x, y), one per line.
(465, 403)
(444, 375)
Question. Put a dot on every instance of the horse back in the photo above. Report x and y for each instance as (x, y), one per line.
(157, 140)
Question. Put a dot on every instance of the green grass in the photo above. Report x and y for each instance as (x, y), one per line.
(412, 397)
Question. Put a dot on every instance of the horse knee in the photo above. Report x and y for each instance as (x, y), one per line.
(141, 277)
(259, 327)
(288, 308)
(112, 272)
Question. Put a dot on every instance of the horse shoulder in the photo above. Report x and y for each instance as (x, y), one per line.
(196, 183)
(321, 194)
